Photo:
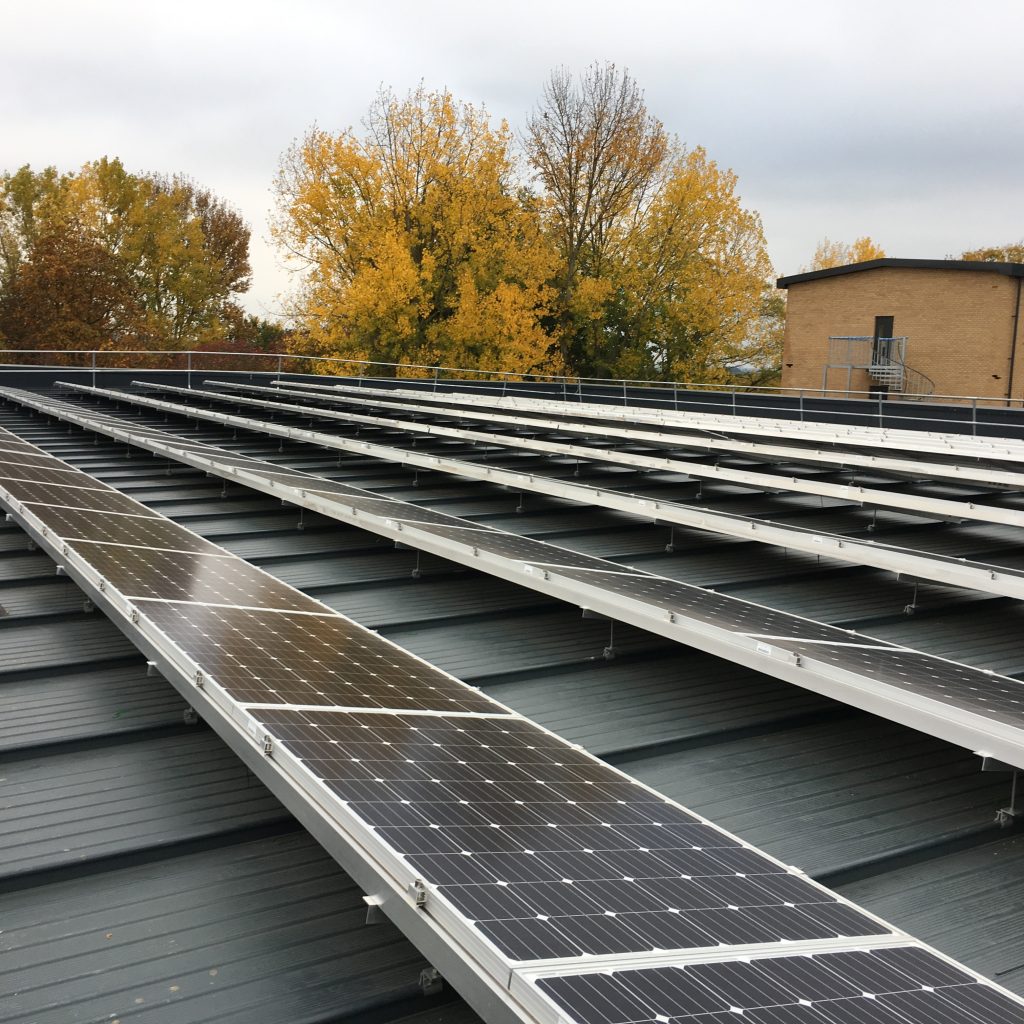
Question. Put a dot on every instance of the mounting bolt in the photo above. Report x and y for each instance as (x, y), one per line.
(190, 716)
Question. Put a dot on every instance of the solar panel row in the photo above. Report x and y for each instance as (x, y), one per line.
(760, 479)
(659, 437)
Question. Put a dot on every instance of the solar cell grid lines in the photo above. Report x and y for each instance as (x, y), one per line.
(549, 852)
(513, 546)
(130, 530)
(998, 698)
(65, 496)
(192, 576)
(900, 985)
(283, 658)
(59, 477)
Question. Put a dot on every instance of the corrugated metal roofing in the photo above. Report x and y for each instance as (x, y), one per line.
(839, 793)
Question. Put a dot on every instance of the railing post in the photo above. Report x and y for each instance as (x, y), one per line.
(94, 368)
(280, 364)
(801, 406)
(189, 365)
(974, 416)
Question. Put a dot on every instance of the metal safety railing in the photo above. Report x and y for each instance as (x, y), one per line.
(721, 398)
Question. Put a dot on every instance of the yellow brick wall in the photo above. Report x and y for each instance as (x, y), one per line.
(959, 326)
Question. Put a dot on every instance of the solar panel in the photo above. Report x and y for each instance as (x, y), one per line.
(759, 479)
(879, 986)
(135, 530)
(443, 790)
(217, 578)
(283, 658)
(98, 499)
(510, 545)
(1003, 580)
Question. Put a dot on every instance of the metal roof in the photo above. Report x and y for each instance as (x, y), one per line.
(133, 825)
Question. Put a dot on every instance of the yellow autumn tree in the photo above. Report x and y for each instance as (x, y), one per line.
(838, 254)
(412, 242)
(692, 279)
(662, 272)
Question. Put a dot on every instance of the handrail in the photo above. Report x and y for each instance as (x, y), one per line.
(434, 372)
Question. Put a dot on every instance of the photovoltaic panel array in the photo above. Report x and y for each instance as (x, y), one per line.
(770, 633)
(549, 858)
(649, 432)
(591, 449)
(1002, 580)
(549, 852)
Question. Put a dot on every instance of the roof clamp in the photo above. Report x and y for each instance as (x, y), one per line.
(133, 615)
(32, 546)
(431, 982)
(374, 914)
(190, 716)
(88, 606)
(198, 679)
(418, 891)
(61, 571)
(268, 746)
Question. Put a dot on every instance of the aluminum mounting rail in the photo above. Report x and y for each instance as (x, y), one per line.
(973, 708)
(921, 504)
(928, 441)
(675, 438)
(958, 572)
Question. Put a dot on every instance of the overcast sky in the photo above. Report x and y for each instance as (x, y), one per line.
(898, 119)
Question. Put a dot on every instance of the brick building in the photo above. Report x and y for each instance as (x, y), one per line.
(913, 327)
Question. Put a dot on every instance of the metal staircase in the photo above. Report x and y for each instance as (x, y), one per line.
(885, 361)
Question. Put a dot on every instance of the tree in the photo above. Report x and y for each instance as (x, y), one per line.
(1012, 252)
(598, 155)
(661, 269)
(172, 255)
(839, 254)
(691, 278)
(413, 243)
(69, 292)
